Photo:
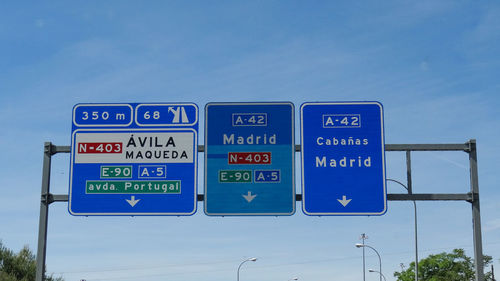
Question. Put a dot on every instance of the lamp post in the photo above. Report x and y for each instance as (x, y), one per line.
(294, 278)
(363, 237)
(372, 270)
(409, 188)
(415, 223)
(238, 272)
(358, 245)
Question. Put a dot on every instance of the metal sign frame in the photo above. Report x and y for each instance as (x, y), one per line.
(472, 196)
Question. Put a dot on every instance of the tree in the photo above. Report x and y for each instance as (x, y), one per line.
(20, 266)
(454, 266)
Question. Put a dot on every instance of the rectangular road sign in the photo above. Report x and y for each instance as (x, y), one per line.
(343, 164)
(134, 159)
(249, 159)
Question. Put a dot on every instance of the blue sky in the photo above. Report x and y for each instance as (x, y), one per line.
(434, 65)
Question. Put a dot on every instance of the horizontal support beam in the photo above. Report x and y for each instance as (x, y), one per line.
(55, 198)
(62, 149)
(428, 147)
(391, 197)
(430, 197)
(388, 147)
(60, 198)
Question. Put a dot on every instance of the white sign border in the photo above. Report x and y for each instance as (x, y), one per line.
(383, 160)
(195, 151)
(293, 160)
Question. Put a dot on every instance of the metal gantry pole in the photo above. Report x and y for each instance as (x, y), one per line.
(476, 213)
(410, 191)
(471, 197)
(44, 212)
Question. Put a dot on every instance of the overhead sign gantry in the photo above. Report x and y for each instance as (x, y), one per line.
(102, 183)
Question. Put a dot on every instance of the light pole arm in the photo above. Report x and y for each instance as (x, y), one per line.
(380, 273)
(379, 260)
(408, 188)
(238, 272)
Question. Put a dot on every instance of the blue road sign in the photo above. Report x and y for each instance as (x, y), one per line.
(343, 165)
(134, 159)
(249, 159)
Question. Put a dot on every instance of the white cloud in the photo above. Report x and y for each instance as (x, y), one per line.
(424, 66)
(492, 225)
(40, 23)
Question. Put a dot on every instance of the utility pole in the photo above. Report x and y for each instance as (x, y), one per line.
(363, 238)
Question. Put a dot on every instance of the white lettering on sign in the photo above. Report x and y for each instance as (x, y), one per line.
(138, 147)
(341, 141)
(251, 139)
(343, 162)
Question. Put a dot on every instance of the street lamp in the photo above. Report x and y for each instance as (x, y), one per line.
(294, 278)
(359, 245)
(415, 218)
(409, 188)
(364, 237)
(238, 272)
(372, 270)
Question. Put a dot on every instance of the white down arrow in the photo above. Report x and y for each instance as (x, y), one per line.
(132, 201)
(344, 201)
(249, 197)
